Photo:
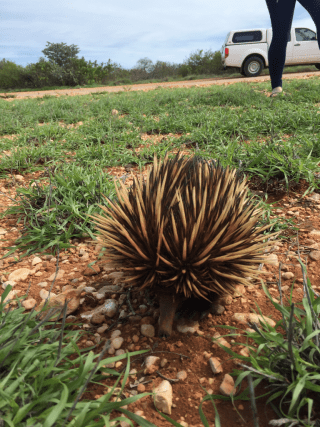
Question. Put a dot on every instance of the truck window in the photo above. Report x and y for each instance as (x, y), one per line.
(247, 37)
(304, 34)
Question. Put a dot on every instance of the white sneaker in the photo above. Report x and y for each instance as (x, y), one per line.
(276, 91)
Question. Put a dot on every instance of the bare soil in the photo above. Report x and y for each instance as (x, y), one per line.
(188, 393)
(150, 86)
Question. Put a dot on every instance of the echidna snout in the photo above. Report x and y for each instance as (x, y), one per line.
(187, 232)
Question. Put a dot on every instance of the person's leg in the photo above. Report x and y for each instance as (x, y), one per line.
(281, 15)
(313, 7)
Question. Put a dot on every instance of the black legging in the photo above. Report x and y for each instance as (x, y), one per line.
(281, 15)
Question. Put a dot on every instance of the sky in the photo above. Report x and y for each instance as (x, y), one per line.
(125, 31)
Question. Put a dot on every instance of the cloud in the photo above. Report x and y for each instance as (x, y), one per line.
(125, 31)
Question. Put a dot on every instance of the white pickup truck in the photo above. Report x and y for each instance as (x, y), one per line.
(248, 49)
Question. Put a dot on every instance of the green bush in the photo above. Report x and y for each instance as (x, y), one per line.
(10, 74)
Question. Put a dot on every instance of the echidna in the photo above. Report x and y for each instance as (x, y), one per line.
(187, 231)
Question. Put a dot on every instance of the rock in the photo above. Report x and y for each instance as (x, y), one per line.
(148, 320)
(141, 388)
(73, 295)
(92, 270)
(102, 329)
(98, 318)
(272, 259)
(143, 309)
(227, 386)
(11, 295)
(84, 257)
(314, 255)
(256, 318)
(8, 283)
(147, 330)
(59, 275)
(44, 294)
(106, 290)
(315, 196)
(36, 261)
(135, 338)
(220, 340)
(2, 231)
(109, 308)
(116, 277)
(239, 291)
(115, 334)
(20, 274)
(150, 364)
(114, 113)
(314, 234)
(89, 289)
(215, 365)
(163, 397)
(117, 342)
(19, 177)
(288, 275)
(181, 375)
(226, 300)
(186, 325)
(163, 363)
(43, 284)
(244, 317)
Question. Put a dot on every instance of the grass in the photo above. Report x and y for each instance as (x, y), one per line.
(287, 356)
(272, 140)
(74, 140)
(41, 386)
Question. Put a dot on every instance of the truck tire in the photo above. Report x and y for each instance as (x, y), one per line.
(253, 66)
(318, 66)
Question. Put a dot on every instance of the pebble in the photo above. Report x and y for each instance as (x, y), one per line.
(36, 260)
(184, 326)
(314, 255)
(147, 331)
(19, 274)
(59, 275)
(115, 334)
(102, 329)
(135, 338)
(215, 365)
(8, 283)
(150, 364)
(227, 386)
(117, 342)
(181, 375)
(163, 397)
(287, 275)
(29, 303)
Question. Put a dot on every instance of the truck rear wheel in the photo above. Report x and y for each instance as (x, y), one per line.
(253, 66)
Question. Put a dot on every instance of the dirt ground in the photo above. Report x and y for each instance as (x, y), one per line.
(183, 352)
(150, 86)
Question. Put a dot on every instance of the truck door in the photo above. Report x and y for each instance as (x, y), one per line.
(305, 47)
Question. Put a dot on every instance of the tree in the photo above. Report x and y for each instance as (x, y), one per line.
(60, 53)
(145, 64)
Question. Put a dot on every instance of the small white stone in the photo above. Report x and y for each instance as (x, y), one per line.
(29, 303)
(163, 397)
(9, 282)
(115, 334)
(117, 342)
(19, 274)
(36, 260)
(182, 375)
(148, 331)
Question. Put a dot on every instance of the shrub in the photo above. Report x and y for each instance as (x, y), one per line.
(9, 74)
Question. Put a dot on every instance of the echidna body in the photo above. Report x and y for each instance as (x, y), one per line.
(187, 231)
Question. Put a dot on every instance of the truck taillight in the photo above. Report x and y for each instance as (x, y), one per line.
(226, 52)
